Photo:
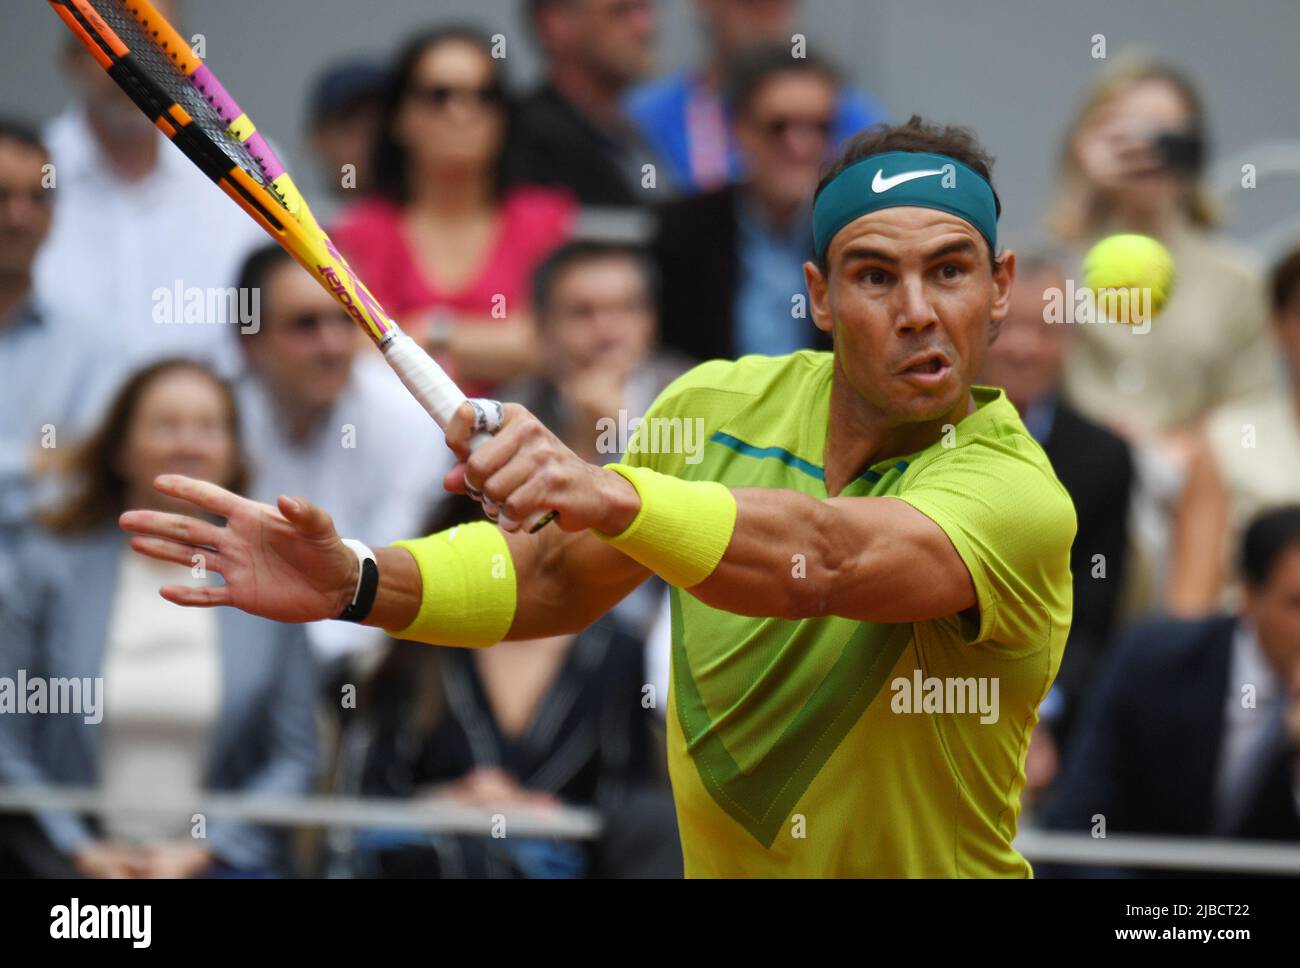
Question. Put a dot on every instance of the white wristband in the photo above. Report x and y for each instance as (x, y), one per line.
(363, 596)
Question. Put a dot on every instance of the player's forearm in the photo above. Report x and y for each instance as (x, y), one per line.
(790, 556)
(558, 583)
(873, 559)
(573, 580)
(764, 552)
(397, 599)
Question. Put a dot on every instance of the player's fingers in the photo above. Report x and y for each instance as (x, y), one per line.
(178, 527)
(177, 553)
(310, 521)
(454, 480)
(510, 477)
(474, 420)
(204, 596)
(527, 502)
(204, 494)
(521, 430)
(460, 430)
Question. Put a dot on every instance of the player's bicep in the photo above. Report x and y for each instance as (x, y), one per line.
(904, 568)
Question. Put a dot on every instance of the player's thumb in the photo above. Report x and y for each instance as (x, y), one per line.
(309, 520)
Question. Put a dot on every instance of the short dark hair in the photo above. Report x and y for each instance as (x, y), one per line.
(916, 134)
(1268, 536)
(1284, 280)
(580, 251)
(755, 66)
(20, 132)
(255, 270)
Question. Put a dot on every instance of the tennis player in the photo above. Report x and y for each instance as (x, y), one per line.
(869, 558)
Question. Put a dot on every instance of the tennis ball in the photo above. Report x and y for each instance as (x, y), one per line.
(1132, 277)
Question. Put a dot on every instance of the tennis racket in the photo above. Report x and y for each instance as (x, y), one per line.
(154, 65)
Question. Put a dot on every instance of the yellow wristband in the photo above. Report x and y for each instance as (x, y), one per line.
(467, 587)
(683, 528)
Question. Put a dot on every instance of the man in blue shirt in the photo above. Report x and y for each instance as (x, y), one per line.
(684, 117)
(731, 259)
(51, 378)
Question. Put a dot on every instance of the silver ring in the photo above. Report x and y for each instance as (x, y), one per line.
(488, 415)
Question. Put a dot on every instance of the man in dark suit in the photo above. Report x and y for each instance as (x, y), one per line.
(1194, 727)
(572, 130)
(731, 260)
(1097, 470)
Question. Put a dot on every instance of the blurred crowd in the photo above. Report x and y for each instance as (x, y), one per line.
(575, 247)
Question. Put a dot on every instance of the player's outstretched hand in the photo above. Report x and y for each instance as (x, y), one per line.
(286, 564)
(526, 472)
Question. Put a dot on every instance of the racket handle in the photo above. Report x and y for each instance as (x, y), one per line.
(434, 389)
(427, 381)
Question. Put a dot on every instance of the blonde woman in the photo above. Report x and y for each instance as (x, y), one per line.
(1131, 162)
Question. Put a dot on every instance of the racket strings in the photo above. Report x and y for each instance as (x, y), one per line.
(154, 61)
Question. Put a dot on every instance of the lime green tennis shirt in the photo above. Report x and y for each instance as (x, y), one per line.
(828, 746)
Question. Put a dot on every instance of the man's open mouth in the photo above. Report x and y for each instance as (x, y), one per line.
(930, 365)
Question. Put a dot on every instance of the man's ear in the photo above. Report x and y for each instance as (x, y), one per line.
(819, 303)
(1004, 277)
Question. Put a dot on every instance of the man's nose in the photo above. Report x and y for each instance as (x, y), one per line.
(915, 312)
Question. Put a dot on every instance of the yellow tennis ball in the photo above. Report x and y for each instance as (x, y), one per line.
(1132, 277)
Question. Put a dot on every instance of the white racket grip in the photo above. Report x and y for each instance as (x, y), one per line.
(426, 380)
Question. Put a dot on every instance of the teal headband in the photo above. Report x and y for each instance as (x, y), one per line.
(905, 178)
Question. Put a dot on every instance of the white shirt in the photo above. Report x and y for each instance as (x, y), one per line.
(162, 696)
(1245, 728)
(115, 246)
(375, 463)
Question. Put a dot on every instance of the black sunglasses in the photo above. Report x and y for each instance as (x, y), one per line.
(780, 127)
(440, 95)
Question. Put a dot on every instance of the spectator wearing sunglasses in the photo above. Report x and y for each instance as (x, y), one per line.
(316, 423)
(731, 260)
(445, 244)
(684, 116)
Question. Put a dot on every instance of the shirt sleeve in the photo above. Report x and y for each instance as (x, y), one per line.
(1012, 523)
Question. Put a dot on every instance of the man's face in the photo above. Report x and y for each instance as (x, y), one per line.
(1274, 610)
(613, 39)
(1027, 355)
(736, 24)
(784, 133)
(106, 102)
(909, 297)
(347, 140)
(448, 119)
(26, 207)
(306, 342)
(600, 314)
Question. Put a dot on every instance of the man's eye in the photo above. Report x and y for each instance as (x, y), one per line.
(874, 277)
(950, 270)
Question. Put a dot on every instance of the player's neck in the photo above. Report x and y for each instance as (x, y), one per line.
(858, 437)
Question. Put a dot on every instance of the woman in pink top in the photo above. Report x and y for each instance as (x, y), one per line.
(447, 248)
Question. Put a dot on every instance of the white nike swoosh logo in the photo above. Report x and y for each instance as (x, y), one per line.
(882, 184)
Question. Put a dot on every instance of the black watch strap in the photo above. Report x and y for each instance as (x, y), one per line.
(367, 583)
